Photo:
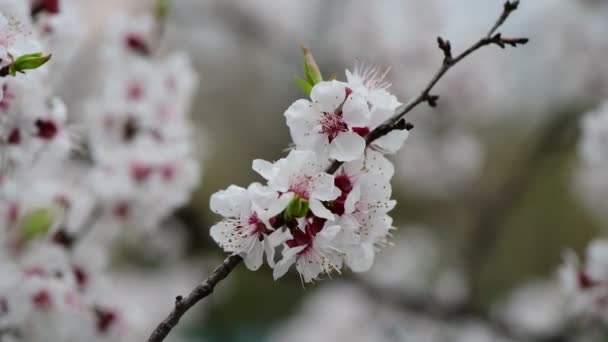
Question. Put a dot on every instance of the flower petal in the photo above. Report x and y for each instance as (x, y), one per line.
(347, 146)
(328, 95)
(289, 257)
(323, 187)
(253, 259)
(319, 210)
(392, 142)
(232, 202)
(360, 258)
(355, 111)
(265, 168)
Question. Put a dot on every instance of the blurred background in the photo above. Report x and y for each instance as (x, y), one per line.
(488, 185)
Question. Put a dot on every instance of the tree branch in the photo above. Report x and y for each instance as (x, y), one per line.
(448, 62)
(396, 122)
(182, 305)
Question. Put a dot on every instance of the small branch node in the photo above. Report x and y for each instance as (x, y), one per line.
(446, 47)
(432, 100)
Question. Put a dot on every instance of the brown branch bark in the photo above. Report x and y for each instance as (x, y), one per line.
(396, 122)
(182, 305)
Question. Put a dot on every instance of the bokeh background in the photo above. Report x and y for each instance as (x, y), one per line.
(488, 185)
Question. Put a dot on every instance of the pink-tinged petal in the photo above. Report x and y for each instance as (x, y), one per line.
(347, 146)
(255, 257)
(355, 111)
(328, 95)
(319, 210)
(360, 258)
(391, 142)
(232, 202)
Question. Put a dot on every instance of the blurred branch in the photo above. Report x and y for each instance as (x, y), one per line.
(493, 212)
(395, 123)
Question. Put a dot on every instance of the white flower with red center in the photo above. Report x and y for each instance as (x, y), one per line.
(362, 208)
(588, 284)
(332, 123)
(300, 174)
(32, 125)
(312, 249)
(140, 186)
(246, 229)
(371, 84)
(131, 35)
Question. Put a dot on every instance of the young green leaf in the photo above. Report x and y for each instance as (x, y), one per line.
(37, 223)
(304, 86)
(28, 62)
(311, 69)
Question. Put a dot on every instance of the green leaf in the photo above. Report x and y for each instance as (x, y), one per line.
(161, 9)
(298, 207)
(37, 223)
(311, 69)
(28, 62)
(304, 86)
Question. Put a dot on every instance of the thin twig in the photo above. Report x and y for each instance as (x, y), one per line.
(182, 305)
(396, 122)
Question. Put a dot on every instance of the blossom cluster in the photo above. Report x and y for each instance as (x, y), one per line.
(68, 191)
(317, 220)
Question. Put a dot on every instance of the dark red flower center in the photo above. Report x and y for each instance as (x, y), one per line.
(47, 129)
(42, 299)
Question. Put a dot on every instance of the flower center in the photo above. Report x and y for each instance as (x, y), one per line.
(259, 228)
(47, 129)
(301, 187)
(332, 124)
(305, 238)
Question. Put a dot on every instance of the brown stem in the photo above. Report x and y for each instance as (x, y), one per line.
(182, 305)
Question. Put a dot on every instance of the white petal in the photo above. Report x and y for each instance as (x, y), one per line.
(347, 146)
(360, 258)
(232, 202)
(282, 267)
(280, 204)
(278, 237)
(265, 168)
(329, 231)
(253, 259)
(392, 142)
(355, 111)
(324, 188)
(289, 257)
(319, 210)
(303, 120)
(328, 95)
(274, 240)
(353, 197)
